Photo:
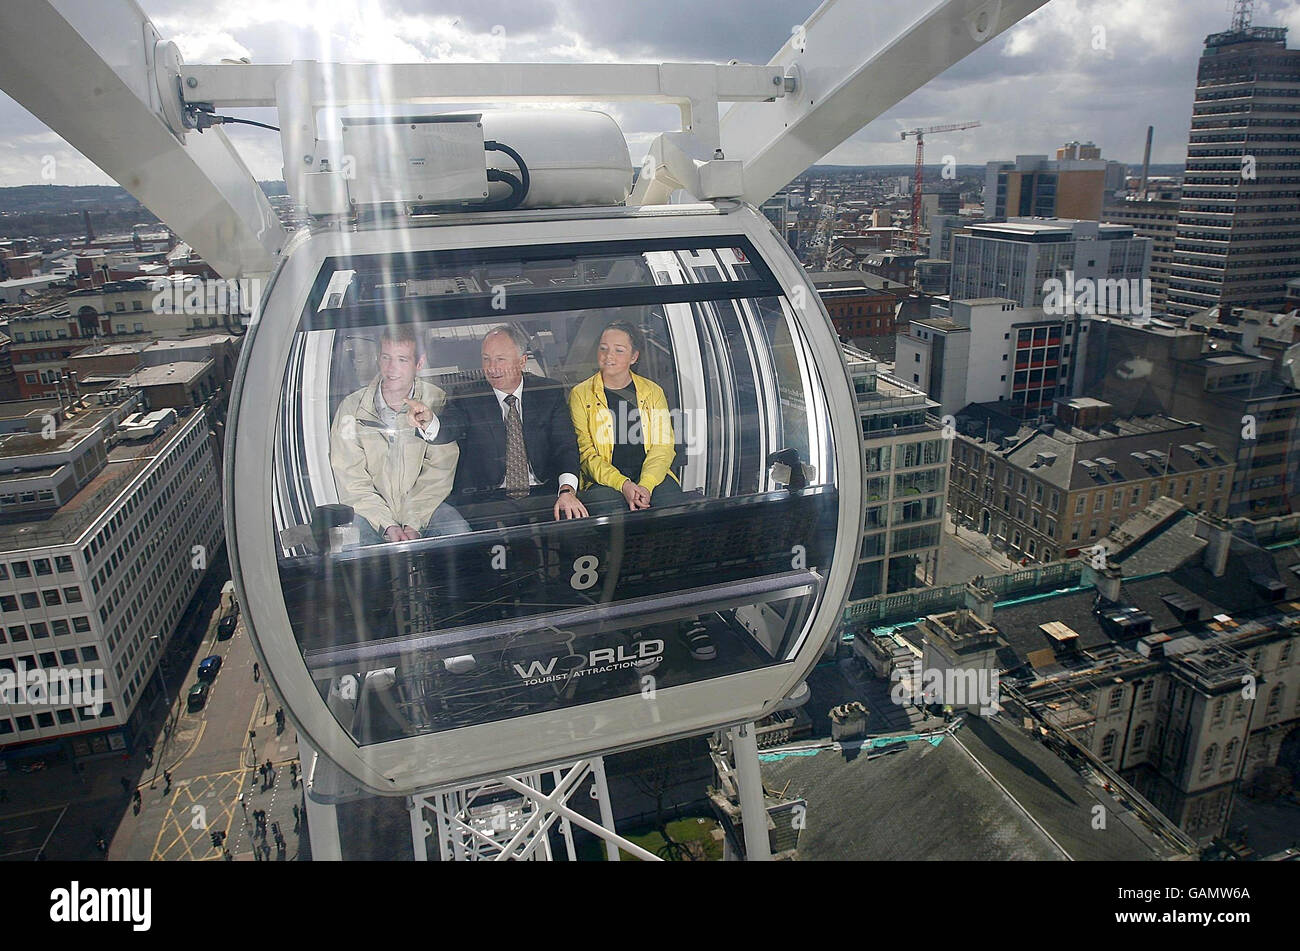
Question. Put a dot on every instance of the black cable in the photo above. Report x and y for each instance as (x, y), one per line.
(513, 200)
(518, 186)
(260, 125)
(203, 117)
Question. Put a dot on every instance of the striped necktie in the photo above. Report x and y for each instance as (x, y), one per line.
(516, 454)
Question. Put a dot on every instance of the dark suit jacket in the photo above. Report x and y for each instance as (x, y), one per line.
(473, 419)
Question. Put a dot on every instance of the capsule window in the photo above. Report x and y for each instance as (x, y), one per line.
(434, 573)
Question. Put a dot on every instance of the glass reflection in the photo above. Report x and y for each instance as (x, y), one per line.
(489, 511)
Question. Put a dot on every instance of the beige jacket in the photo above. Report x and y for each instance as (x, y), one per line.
(387, 485)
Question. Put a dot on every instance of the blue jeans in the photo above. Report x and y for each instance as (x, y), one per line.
(445, 520)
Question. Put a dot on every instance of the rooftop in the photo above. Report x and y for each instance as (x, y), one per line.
(985, 301)
(22, 409)
(110, 350)
(61, 440)
(1050, 229)
(1129, 449)
(182, 371)
(941, 323)
(130, 284)
(199, 340)
(65, 526)
(40, 280)
(985, 791)
(825, 281)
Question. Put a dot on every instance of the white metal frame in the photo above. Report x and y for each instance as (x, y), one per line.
(99, 74)
(520, 831)
(393, 768)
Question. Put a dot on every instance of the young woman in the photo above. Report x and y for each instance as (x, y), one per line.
(624, 430)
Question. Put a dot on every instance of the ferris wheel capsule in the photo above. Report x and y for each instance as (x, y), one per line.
(420, 608)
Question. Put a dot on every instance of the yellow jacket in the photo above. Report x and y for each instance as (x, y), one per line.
(594, 425)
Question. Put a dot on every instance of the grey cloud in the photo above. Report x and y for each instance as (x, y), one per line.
(481, 16)
(687, 30)
(1058, 88)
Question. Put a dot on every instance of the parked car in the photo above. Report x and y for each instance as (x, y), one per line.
(198, 696)
(226, 626)
(208, 667)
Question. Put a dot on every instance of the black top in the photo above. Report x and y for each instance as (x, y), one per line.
(473, 419)
(629, 440)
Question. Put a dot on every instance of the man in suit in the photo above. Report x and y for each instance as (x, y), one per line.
(518, 452)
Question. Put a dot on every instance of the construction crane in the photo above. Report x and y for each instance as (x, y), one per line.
(920, 159)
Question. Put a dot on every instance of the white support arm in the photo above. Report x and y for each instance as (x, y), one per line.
(86, 69)
(853, 60)
(340, 84)
(299, 88)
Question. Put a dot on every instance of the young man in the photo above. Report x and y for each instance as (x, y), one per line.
(395, 479)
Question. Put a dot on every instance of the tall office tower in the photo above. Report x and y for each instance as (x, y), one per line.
(106, 531)
(1153, 217)
(1076, 184)
(1018, 258)
(906, 459)
(1238, 238)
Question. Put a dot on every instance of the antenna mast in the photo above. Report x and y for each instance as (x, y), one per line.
(1242, 11)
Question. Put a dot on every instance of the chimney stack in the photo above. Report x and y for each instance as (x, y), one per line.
(979, 600)
(1106, 580)
(1146, 164)
(1218, 534)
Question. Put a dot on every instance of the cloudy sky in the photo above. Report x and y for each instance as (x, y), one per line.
(1076, 69)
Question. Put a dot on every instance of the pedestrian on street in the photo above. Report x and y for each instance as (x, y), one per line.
(243, 805)
(295, 813)
(257, 672)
